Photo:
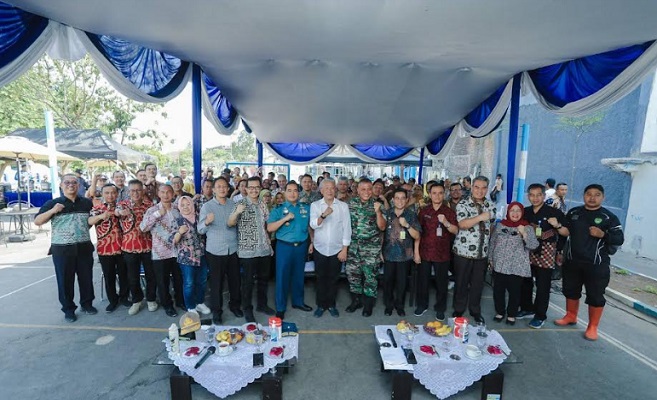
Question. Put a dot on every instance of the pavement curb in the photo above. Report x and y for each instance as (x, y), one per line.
(633, 303)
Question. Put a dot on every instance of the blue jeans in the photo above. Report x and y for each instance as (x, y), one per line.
(194, 281)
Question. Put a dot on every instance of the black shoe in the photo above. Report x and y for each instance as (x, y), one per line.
(70, 317)
(498, 318)
(216, 318)
(170, 311)
(387, 311)
(111, 307)
(368, 305)
(510, 322)
(303, 307)
(91, 310)
(419, 311)
(182, 307)
(125, 302)
(401, 312)
(440, 316)
(319, 311)
(248, 315)
(266, 310)
(280, 314)
(479, 319)
(334, 312)
(457, 314)
(237, 312)
(355, 303)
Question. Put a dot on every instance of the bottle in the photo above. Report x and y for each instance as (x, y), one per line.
(174, 338)
(275, 329)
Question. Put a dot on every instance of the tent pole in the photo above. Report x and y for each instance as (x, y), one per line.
(421, 169)
(513, 138)
(522, 170)
(260, 154)
(196, 126)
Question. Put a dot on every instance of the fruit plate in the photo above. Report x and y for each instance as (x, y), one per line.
(425, 349)
(495, 351)
(250, 327)
(275, 351)
(404, 326)
(224, 336)
(441, 332)
(192, 351)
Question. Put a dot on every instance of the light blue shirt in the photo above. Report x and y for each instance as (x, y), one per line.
(297, 231)
(221, 238)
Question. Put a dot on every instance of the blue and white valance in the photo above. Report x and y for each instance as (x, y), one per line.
(24, 38)
(217, 108)
(585, 85)
(380, 153)
(488, 115)
(439, 143)
(301, 153)
(137, 72)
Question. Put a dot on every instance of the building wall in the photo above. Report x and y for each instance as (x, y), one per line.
(640, 233)
(570, 150)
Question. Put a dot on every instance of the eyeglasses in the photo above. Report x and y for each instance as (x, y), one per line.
(69, 183)
(454, 190)
(253, 187)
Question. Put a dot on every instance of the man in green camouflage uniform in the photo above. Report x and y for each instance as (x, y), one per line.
(363, 257)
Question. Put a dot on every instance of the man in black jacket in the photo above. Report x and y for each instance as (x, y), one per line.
(594, 234)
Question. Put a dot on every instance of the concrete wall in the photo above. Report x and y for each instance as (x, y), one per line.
(640, 232)
(570, 150)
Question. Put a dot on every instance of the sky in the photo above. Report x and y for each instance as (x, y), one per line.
(178, 124)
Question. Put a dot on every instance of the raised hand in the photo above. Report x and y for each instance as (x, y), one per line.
(240, 208)
(441, 218)
(183, 229)
(57, 208)
(596, 232)
(209, 218)
(328, 211)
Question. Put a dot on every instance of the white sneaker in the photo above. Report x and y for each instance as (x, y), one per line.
(203, 309)
(152, 306)
(192, 310)
(450, 285)
(134, 308)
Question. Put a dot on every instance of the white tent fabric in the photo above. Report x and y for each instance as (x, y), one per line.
(493, 120)
(208, 111)
(395, 72)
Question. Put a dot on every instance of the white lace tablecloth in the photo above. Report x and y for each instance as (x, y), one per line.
(443, 376)
(226, 375)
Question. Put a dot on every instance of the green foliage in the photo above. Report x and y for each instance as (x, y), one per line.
(622, 272)
(582, 124)
(650, 289)
(78, 96)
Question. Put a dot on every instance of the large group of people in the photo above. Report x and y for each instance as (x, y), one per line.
(237, 227)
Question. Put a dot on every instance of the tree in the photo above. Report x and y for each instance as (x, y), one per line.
(78, 96)
(244, 148)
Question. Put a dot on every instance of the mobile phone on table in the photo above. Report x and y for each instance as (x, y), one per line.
(258, 360)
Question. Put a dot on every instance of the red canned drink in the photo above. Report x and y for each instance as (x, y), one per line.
(461, 329)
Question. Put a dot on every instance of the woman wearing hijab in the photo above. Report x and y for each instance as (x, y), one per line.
(265, 197)
(191, 252)
(510, 244)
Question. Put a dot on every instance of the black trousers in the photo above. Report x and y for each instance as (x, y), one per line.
(133, 262)
(441, 278)
(112, 266)
(327, 273)
(395, 275)
(222, 268)
(164, 271)
(539, 305)
(255, 268)
(503, 284)
(66, 268)
(594, 278)
(469, 283)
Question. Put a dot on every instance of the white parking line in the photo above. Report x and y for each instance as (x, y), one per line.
(617, 343)
(26, 286)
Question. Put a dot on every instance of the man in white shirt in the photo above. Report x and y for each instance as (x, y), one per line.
(330, 219)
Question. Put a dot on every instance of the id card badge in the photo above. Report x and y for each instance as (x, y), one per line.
(402, 235)
(439, 231)
(539, 231)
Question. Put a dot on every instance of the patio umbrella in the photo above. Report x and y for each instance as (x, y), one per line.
(17, 147)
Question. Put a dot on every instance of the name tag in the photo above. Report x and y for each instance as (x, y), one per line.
(402, 235)
(539, 231)
(439, 231)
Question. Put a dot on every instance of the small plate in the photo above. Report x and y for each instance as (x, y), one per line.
(417, 349)
(479, 357)
(268, 351)
(190, 352)
(246, 326)
(230, 350)
(501, 354)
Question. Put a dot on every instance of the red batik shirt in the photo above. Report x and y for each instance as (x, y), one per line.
(435, 244)
(107, 231)
(133, 240)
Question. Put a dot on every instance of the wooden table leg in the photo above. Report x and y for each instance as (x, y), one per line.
(272, 386)
(181, 385)
(492, 386)
(402, 384)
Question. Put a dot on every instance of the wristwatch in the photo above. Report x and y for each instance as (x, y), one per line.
(322, 216)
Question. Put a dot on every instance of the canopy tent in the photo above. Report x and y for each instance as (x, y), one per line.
(86, 144)
(384, 77)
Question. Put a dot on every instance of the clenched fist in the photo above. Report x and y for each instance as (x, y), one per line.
(209, 218)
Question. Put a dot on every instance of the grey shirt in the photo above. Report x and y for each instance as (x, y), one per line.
(221, 239)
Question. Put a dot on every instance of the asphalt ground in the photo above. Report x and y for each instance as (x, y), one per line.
(111, 356)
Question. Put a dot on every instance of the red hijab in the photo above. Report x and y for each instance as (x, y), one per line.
(507, 221)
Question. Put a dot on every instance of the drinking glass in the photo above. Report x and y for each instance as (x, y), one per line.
(233, 338)
(209, 335)
(258, 339)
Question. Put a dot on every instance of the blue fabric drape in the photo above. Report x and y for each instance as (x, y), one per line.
(437, 144)
(153, 72)
(220, 104)
(18, 30)
(574, 80)
(300, 152)
(382, 153)
(479, 115)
